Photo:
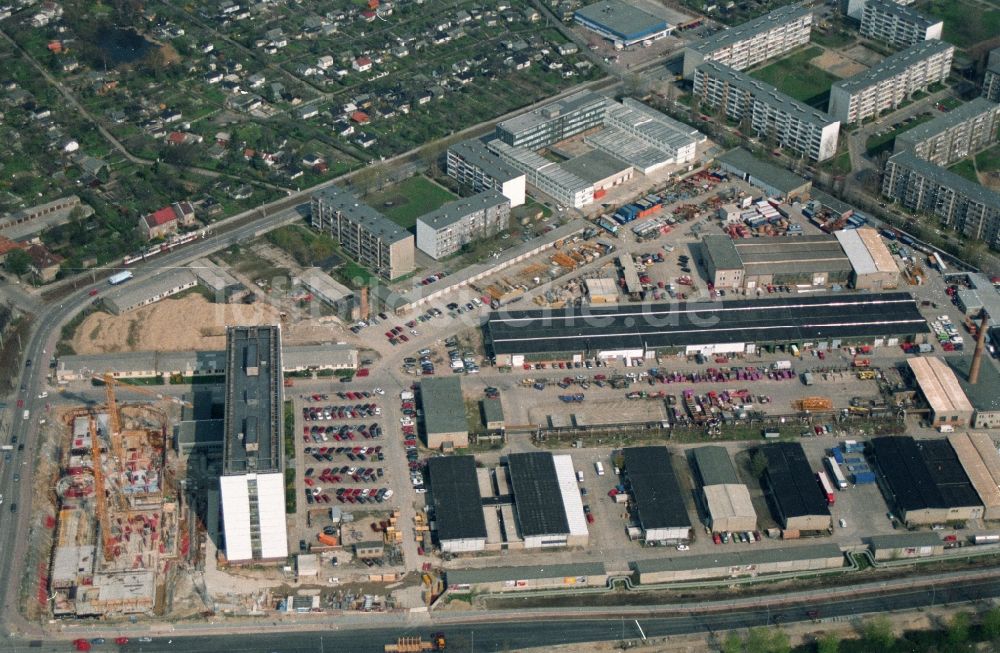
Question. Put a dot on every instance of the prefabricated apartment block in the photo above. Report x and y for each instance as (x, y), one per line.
(898, 25)
(446, 230)
(366, 235)
(471, 163)
(770, 112)
(955, 135)
(891, 82)
(754, 42)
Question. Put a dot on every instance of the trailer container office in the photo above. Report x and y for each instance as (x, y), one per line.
(120, 277)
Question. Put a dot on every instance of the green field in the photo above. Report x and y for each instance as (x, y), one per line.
(959, 27)
(798, 78)
(989, 160)
(967, 169)
(840, 164)
(406, 201)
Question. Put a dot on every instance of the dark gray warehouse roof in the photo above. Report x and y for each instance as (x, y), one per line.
(755, 556)
(792, 482)
(784, 319)
(444, 409)
(501, 574)
(654, 487)
(779, 178)
(923, 474)
(714, 466)
(537, 498)
(458, 506)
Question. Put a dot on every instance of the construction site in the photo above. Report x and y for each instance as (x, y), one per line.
(118, 530)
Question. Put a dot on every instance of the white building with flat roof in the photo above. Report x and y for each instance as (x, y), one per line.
(449, 228)
(547, 176)
(755, 41)
(470, 162)
(896, 24)
(891, 82)
(771, 113)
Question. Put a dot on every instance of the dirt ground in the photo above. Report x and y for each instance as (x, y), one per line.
(189, 323)
(836, 64)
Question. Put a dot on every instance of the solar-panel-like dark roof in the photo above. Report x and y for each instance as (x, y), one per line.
(458, 507)
(785, 319)
(537, 498)
(924, 474)
(655, 489)
(792, 481)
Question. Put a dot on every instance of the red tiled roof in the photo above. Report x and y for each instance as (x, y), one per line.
(7, 245)
(161, 217)
(42, 257)
(363, 61)
(176, 138)
(359, 116)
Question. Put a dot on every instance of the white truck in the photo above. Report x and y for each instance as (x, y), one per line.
(782, 365)
(120, 277)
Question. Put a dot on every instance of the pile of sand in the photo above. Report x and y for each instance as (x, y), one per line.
(190, 323)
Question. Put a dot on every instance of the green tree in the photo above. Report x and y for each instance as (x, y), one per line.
(877, 633)
(991, 623)
(958, 629)
(758, 640)
(779, 642)
(828, 643)
(758, 463)
(18, 262)
(732, 644)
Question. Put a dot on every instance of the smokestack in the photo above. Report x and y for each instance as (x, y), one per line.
(977, 357)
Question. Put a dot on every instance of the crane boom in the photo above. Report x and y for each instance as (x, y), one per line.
(101, 500)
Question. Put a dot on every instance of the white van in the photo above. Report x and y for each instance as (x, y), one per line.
(579, 476)
(600, 468)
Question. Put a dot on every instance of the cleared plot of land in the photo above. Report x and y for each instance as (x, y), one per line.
(406, 201)
(965, 23)
(203, 327)
(799, 78)
(837, 64)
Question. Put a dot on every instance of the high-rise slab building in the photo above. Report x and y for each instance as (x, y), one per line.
(954, 135)
(898, 25)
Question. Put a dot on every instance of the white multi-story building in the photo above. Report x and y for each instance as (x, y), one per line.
(763, 38)
(991, 78)
(896, 24)
(655, 129)
(770, 113)
(446, 230)
(853, 8)
(556, 121)
(471, 163)
(547, 176)
(954, 135)
(920, 185)
(888, 84)
(253, 479)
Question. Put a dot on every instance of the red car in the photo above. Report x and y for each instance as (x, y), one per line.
(121, 641)
(81, 645)
(590, 518)
(93, 292)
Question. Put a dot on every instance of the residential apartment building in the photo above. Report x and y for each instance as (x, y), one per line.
(885, 86)
(547, 176)
(446, 230)
(770, 113)
(954, 135)
(366, 235)
(167, 220)
(754, 42)
(896, 24)
(920, 185)
(471, 163)
(554, 122)
(853, 8)
(253, 480)
(991, 78)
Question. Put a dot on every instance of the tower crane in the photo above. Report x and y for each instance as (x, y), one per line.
(102, 502)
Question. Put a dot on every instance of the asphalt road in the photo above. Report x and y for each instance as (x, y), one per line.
(505, 632)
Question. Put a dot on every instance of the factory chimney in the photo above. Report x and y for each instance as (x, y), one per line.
(977, 357)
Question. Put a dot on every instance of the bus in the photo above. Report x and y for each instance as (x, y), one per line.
(835, 473)
(938, 262)
(824, 484)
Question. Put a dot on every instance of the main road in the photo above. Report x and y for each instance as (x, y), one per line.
(513, 630)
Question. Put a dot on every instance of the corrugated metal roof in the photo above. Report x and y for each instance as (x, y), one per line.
(981, 461)
(535, 485)
(570, 492)
(444, 409)
(743, 160)
(857, 252)
(913, 540)
(714, 466)
(939, 385)
(725, 501)
(458, 506)
(653, 483)
(792, 482)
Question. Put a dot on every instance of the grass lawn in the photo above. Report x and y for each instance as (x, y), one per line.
(959, 26)
(530, 209)
(989, 160)
(885, 142)
(967, 169)
(798, 78)
(406, 201)
(840, 164)
(833, 39)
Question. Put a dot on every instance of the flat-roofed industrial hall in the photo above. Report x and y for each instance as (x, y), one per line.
(727, 326)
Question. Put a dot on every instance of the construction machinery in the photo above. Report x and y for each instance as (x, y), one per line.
(100, 498)
(814, 403)
(417, 644)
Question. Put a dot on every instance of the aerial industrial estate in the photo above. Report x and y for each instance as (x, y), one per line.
(705, 301)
